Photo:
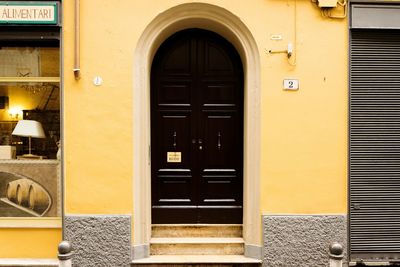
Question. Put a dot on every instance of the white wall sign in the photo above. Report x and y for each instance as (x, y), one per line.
(291, 84)
(28, 13)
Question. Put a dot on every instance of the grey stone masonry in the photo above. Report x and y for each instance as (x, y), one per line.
(301, 241)
(99, 240)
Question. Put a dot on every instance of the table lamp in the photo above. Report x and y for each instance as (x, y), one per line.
(29, 128)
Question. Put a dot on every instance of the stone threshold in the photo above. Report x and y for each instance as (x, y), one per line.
(373, 263)
(196, 240)
(197, 259)
(196, 225)
(29, 262)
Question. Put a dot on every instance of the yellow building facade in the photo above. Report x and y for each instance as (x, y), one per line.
(295, 123)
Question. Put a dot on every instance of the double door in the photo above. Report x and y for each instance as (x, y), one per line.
(197, 130)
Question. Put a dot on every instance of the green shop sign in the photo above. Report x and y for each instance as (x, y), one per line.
(28, 13)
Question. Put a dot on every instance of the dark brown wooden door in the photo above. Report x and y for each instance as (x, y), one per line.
(197, 130)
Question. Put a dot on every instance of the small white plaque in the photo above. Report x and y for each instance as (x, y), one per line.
(174, 157)
(276, 37)
(97, 80)
(291, 84)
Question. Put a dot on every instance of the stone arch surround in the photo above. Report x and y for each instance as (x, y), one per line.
(228, 25)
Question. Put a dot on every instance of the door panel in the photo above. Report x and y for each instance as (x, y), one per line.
(218, 186)
(219, 94)
(173, 177)
(174, 94)
(220, 183)
(197, 130)
(220, 140)
(215, 60)
(178, 61)
(176, 130)
(174, 187)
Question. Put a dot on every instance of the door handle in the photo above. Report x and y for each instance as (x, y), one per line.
(174, 144)
(219, 141)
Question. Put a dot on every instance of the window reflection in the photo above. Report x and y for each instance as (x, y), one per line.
(29, 90)
(29, 62)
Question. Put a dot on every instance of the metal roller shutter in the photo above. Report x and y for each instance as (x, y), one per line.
(375, 145)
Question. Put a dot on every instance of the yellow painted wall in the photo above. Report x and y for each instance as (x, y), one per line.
(98, 120)
(304, 143)
(29, 243)
(304, 133)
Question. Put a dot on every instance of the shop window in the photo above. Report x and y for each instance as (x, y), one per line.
(30, 129)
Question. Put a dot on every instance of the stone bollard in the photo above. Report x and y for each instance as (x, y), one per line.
(65, 254)
(335, 255)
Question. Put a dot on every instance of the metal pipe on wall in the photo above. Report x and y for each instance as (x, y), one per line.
(77, 67)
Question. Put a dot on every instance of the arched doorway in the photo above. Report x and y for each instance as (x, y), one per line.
(197, 130)
(231, 27)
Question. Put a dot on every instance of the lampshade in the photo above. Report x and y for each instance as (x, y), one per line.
(29, 128)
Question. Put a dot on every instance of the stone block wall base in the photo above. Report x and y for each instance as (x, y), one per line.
(99, 240)
(301, 241)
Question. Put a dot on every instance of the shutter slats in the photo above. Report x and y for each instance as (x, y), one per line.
(375, 143)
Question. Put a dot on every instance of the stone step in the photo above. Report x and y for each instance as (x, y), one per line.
(197, 260)
(197, 246)
(29, 262)
(196, 230)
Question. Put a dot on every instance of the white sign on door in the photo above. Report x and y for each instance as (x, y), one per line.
(174, 157)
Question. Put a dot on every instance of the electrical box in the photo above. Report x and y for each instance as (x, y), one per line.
(327, 3)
